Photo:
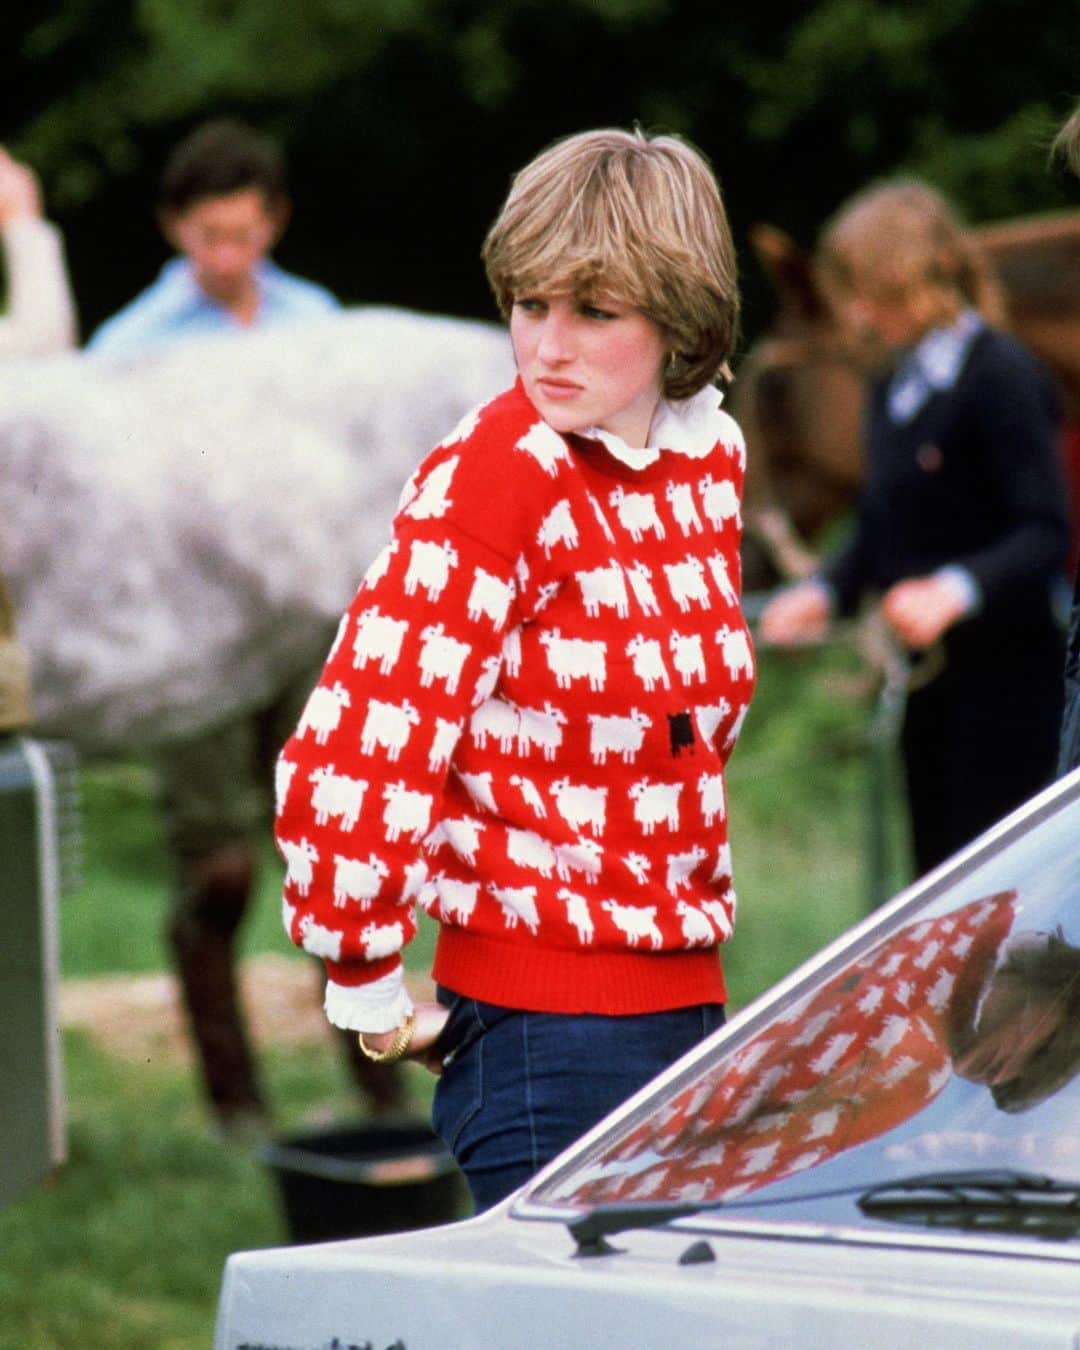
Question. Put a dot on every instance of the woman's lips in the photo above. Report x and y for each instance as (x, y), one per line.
(558, 389)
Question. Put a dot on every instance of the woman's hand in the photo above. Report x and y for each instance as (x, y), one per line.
(430, 1020)
(921, 610)
(797, 615)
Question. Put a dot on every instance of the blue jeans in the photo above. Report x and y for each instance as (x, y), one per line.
(520, 1087)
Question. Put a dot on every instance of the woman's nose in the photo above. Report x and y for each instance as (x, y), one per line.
(555, 343)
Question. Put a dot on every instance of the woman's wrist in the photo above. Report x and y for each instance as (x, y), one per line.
(388, 1047)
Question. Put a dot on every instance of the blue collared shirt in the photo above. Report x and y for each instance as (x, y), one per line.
(176, 308)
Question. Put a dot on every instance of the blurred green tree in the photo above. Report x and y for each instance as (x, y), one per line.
(403, 119)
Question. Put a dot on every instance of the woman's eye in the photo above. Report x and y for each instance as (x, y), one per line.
(595, 312)
(530, 305)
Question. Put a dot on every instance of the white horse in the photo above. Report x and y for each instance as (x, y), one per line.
(181, 532)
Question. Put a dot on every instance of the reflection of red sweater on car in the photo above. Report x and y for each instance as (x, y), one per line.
(865, 1053)
(524, 724)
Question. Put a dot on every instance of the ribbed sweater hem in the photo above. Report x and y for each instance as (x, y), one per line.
(547, 979)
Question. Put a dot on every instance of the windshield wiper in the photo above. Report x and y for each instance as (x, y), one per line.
(594, 1227)
(991, 1201)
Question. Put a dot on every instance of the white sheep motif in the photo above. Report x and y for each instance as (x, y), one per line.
(648, 662)
(681, 866)
(478, 786)
(622, 736)
(635, 922)
(380, 564)
(336, 794)
(518, 903)
(441, 658)
(283, 776)
(639, 865)
(709, 716)
(378, 637)
(530, 793)
(381, 940)
(430, 564)
(447, 735)
(511, 652)
(457, 899)
(656, 804)
(357, 880)
(721, 915)
(407, 812)
(580, 806)
(299, 858)
(526, 848)
(719, 500)
(583, 855)
(496, 718)
(546, 446)
(572, 659)
(490, 598)
(557, 527)
(316, 940)
(713, 801)
(322, 712)
(717, 564)
(637, 513)
(697, 930)
(577, 913)
(735, 649)
(486, 680)
(541, 727)
(681, 497)
(388, 725)
(687, 656)
(686, 582)
(604, 587)
(431, 501)
(640, 578)
(601, 519)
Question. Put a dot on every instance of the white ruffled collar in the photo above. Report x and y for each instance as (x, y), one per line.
(690, 426)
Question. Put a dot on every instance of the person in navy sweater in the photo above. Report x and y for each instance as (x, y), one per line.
(962, 527)
(526, 715)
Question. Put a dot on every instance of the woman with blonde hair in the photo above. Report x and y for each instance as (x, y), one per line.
(525, 719)
(962, 529)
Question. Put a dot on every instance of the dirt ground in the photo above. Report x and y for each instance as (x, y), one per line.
(139, 1017)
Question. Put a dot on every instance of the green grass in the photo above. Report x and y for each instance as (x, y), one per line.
(124, 1247)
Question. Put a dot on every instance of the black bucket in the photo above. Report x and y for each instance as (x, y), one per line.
(383, 1177)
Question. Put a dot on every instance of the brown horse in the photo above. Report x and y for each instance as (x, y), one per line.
(799, 394)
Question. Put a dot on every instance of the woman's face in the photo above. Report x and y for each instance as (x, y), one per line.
(588, 362)
(881, 320)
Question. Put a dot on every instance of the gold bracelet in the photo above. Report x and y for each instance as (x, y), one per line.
(397, 1047)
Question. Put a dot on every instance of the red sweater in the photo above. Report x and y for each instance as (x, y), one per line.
(523, 725)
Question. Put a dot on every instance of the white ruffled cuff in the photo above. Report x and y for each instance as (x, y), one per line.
(380, 1006)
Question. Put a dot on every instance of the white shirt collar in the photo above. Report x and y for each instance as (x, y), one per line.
(690, 426)
(933, 365)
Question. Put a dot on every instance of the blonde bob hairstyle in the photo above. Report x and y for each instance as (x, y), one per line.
(900, 243)
(635, 218)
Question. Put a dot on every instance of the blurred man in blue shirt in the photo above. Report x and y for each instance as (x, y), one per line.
(223, 206)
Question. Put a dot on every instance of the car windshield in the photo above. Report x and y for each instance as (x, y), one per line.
(943, 1035)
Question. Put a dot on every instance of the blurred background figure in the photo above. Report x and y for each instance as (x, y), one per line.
(1068, 146)
(223, 204)
(40, 314)
(962, 527)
